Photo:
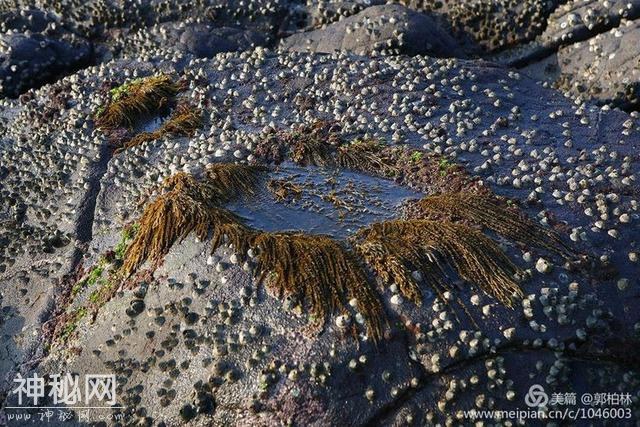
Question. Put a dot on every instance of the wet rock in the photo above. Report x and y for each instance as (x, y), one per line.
(205, 41)
(604, 67)
(136, 307)
(188, 412)
(387, 28)
(28, 61)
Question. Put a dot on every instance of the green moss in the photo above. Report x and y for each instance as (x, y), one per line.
(417, 156)
(127, 235)
(72, 324)
(132, 100)
(90, 279)
(444, 166)
(94, 297)
(104, 288)
(95, 274)
(120, 91)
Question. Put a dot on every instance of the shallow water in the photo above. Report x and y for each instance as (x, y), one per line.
(333, 202)
(151, 124)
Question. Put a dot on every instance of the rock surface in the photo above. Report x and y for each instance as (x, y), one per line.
(381, 29)
(198, 321)
(588, 48)
(604, 67)
(199, 340)
(34, 52)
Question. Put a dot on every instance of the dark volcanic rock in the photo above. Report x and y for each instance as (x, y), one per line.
(605, 67)
(580, 19)
(493, 24)
(251, 360)
(29, 61)
(205, 41)
(200, 40)
(202, 336)
(588, 48)
(388, 28)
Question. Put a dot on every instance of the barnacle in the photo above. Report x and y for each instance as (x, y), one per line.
(320, 272)
(486, 211)
(135, 99)
(183, 122)
(394, 249)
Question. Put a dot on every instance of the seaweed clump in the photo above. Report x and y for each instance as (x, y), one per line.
(284, 190)
(320, 144)
(396, 249)
(183, 122)
(190, 205)
(367, 155)
(487, 212)
(315, 270)
(134, 99)
(308, 144)
(319, 271)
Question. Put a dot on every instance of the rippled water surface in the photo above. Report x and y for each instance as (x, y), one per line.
(333, 202)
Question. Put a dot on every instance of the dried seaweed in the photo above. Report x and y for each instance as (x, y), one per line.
(319, 272)
(395, 249)
(183, 122)
(189, 205)
(368, 156)
(135, 99)
(487, 211)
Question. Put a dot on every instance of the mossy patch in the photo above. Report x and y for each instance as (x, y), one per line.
(90, 279)
(417, 156)
(444, 165)
(128, 234)
(69, 326)
(320, 144)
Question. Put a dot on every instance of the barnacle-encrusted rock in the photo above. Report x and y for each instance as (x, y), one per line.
(30, 60)
(193, 335)
(386, 28)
